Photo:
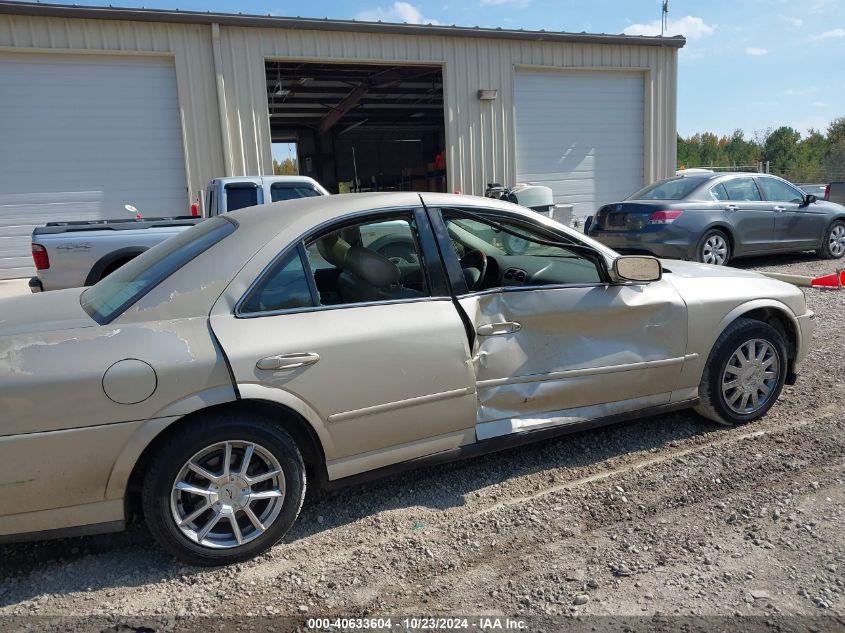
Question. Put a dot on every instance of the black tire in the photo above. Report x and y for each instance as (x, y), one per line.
(832, 245)
(713, 403)
(189, 441)
(705, 244)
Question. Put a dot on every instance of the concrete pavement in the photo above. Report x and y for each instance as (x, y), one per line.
(13, 287)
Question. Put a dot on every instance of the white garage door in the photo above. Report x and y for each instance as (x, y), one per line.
(580, 133)
(80, 137)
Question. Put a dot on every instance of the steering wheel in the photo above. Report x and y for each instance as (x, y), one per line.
(474, 260)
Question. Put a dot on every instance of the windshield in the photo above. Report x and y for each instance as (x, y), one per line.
(111, 296)
(671, 189)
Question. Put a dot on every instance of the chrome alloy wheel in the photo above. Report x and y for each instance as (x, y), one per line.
(228, 494)
(750, 377)
(714, 250)
(836, 240)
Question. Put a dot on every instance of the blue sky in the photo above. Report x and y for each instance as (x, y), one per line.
(750, 64)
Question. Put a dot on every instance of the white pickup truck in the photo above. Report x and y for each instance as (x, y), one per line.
(73, 254)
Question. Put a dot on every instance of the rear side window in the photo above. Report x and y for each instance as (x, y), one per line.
(779, 191)
(281, 191)
(719, 192)
(239, 196)
(285, 287)
(742, 189)
(111, 296)
(671, 189)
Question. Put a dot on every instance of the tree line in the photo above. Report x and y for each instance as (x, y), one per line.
(815, 157)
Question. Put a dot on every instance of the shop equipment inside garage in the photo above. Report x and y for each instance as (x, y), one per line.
(361, 127)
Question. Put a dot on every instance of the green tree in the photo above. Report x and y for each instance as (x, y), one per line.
(288, 167)
(781, 149)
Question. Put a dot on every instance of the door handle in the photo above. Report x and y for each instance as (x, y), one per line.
(497, 329)
(731, 207)
(779, 208)
(288, 361)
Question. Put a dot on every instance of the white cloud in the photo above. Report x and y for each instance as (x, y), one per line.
(756, 52)
(827, 35)
(796, 22)
(691, 27)
(397, 12)
(821, 6)
(821, 104)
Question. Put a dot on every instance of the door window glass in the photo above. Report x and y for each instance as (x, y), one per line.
(284, 287)
(240, 196)
(779, 191)
(719, 192)
(742, 189)
(503, 253)
(372, 261)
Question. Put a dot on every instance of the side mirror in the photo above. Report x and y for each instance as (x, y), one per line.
(809, 199)
(638, 268)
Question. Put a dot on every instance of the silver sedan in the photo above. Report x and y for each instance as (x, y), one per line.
(321, 341)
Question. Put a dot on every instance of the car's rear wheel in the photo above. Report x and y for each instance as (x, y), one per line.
(223, 489)
(714, 248)
(744, 373)
(833, 245)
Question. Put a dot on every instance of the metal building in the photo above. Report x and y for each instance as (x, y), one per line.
(103, 106)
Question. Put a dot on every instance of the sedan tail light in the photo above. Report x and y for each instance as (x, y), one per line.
(40, 257)
(664, 217)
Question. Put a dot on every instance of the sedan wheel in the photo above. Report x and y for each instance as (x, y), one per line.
(750, 376)
(833, 246)
(714, 249)
(228, 494)
(744, 373)
(223, 489)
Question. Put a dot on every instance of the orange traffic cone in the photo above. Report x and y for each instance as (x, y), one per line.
(835, 280)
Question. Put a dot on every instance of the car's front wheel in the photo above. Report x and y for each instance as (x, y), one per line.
(833, 245)
(223, 489)
(744, 373)
(713, 248)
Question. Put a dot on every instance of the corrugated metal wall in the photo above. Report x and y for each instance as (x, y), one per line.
(479, 134)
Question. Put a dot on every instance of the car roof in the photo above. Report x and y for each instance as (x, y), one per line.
(274, 217)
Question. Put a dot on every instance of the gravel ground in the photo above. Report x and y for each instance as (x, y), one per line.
(668, 516)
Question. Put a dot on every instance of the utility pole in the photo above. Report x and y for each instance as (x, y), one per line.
(664, 21)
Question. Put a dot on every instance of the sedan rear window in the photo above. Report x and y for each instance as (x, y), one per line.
(671, 189)
(111, 296)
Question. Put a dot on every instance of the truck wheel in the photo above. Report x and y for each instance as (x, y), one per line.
(744, 373)
(223, 489)
(833, 245)
(713, 248)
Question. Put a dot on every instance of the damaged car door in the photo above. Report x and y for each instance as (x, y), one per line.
(554, 341)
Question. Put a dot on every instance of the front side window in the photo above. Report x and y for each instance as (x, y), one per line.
(500, 253)
(281, 191)
(742, 189)
(111, 296)
(779, 191)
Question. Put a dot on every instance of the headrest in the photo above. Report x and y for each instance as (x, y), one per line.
(373, 268)
(333, 249)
